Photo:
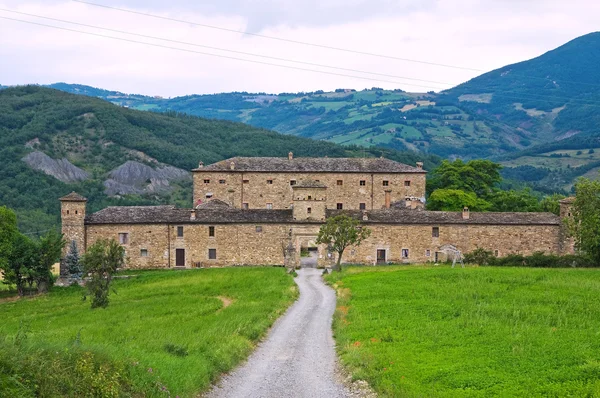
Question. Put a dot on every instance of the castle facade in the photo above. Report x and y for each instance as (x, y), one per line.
(266, 211)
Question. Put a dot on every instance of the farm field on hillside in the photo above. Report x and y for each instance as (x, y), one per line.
(473, 332)
(177, 329)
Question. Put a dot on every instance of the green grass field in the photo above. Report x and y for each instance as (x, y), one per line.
(170, 328)
(473, 332)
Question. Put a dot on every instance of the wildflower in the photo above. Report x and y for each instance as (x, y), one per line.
(149, 370)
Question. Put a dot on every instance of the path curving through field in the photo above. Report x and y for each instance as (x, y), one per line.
(298, 358)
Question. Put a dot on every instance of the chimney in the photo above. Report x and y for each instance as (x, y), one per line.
(193, 215)
(201, 164)
(290, 155)
(232, 165)
(388, 199)
(465, 213)
(419, 165)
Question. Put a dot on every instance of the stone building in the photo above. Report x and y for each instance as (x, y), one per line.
(268, 210)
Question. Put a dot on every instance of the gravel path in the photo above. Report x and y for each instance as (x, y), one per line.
(298, 358)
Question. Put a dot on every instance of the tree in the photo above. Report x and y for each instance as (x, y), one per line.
(100, 263)
(18, 270)
(551, 204)
(72, 261)
(455, 200)
(477, 176)
(8, 232)
(584, 225)
(49, 250)
(512, 200)
(340, 232)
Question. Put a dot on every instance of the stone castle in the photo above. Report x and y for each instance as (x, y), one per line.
(266, 211)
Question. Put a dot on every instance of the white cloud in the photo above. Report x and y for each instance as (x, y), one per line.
(474, 33)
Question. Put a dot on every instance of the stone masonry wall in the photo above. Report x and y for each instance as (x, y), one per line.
(263, 244)
(418, 240)
(154, 238)
(257, 192)
(235, 244)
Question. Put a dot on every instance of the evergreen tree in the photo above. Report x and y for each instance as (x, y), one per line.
(72, 262)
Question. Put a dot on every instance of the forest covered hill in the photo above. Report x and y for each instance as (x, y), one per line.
(506, 115)
(52, 143)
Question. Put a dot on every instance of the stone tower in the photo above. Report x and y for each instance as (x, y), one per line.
(72, 214)
(309, 200)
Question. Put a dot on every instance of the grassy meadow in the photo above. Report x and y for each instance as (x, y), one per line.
(417, 331)
(168, 333)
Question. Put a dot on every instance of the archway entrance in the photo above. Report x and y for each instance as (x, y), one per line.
(309, 251)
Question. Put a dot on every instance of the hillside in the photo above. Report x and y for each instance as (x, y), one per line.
(53, 142)
(516, 108)
(418, 122)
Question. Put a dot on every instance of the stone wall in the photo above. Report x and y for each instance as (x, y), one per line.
(263, 244)
(258, 189)
(422, 245)
(153, 238)
(235, 244)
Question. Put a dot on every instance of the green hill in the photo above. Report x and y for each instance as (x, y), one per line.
(52, 142)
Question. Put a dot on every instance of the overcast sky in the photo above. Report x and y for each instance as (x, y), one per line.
(480, 35)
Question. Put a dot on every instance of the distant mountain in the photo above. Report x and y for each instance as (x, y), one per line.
(497, 115)
(53, 142)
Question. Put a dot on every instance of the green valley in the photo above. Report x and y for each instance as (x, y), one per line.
(52, 143)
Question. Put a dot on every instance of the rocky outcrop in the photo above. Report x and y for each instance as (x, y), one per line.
(60, 169)
(136, 178)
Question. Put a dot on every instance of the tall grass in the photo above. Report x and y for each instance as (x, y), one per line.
(473, 332)
(168, 328)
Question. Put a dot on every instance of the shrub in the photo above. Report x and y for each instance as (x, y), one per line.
(481, 256)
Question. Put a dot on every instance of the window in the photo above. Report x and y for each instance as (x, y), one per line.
(67, 211)
(270, 206)
(435, 232)
(363, 183)
(309, 197)
(259, 228)
(317, 180)
(209, 195)
(427, 253)
(309, 210)
(407, 183)
(212, 254)
(386, 183)
(211, 231)
(292, 182)
(221, 181)
(144, 252)
(75, 211)
(269, 181)
(404, 253)
(180, 232)
(362, 206)
(245, 206)
(245, 181)
(124, 238)
(340, 206)
(496, 253)
(340, 182)
(207, 181)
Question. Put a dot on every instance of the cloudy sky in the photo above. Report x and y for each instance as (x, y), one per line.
(136, 53)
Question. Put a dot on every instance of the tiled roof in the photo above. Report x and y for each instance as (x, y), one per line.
(316, 165)
(170, 214)
(570, 199)
(73, 197)
(408, 216)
